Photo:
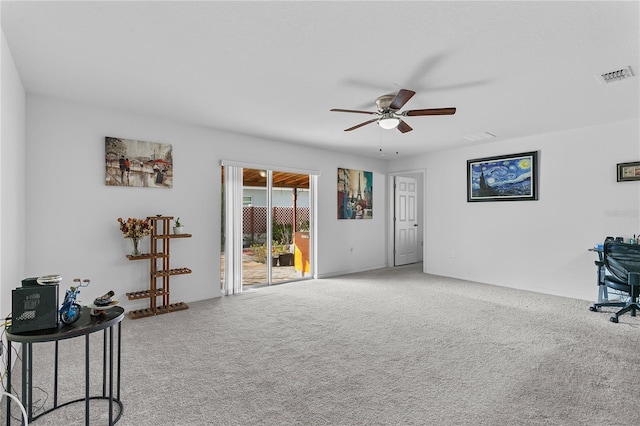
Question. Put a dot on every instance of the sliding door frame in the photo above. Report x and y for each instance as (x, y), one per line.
(233, 185)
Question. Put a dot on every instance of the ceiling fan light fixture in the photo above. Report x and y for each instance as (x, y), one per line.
(388, 115)
(388, 121)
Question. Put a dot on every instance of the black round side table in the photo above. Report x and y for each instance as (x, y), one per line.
(84, 326)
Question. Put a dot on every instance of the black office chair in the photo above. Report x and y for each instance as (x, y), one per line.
(622, 261)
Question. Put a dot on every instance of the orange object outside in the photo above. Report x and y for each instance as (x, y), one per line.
(301, 254)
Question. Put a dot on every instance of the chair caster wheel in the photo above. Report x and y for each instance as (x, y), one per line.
(593, 309)
(614, 319)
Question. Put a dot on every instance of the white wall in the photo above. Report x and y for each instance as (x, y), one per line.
(534, 245)
(72, 213)
(12, 194)
(351, 245)
(12, 199)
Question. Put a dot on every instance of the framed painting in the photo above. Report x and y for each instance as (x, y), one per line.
(355, 194)
(628, 171)
(137, 163)
(511, 177)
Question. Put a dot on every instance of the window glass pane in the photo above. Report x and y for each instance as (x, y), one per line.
(254, 228)
(290, 199)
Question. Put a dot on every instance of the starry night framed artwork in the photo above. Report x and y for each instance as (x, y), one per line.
(628, 171)
(511, 177)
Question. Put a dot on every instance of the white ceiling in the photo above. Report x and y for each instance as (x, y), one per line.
(275, 69)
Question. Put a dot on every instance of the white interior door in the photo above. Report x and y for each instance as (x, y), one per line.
(406, 222)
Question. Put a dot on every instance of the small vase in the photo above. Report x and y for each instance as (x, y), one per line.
(177, 230)
(135, 242)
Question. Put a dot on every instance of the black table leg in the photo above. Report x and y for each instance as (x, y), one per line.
(110, 376)
(9, 348)
(29, 400)
(55, 377)
(104, 363)
(86, 380)
(119, 347)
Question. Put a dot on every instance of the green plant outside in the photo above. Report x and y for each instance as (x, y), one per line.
(259, 251)
(282, 233)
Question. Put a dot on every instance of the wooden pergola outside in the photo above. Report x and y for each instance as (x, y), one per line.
(251, 177)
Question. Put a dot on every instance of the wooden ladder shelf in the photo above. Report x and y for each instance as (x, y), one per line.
(159, 271)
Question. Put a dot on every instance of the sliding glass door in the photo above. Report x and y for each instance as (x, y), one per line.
(270, 214)
(290, 216)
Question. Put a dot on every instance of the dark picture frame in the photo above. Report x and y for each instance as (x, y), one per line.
(133, 163)
(355, 194)
(512, 177)
(627, 172)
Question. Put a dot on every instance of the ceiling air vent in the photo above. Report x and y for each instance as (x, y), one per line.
(617, 75)
(479, 136)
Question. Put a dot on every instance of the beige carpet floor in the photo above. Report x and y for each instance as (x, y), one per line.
(386, 347)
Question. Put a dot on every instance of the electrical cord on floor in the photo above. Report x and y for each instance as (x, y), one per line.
(39, 404)
(5, 370)
(25, 419)
(3, 348)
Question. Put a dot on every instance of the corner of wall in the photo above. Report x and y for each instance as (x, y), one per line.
(12, 178)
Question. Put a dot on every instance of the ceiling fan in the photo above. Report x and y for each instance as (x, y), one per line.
(388, 116)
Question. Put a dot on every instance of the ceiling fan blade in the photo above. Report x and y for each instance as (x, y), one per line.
(404, 127)
(360, 125)
(433, 111)
(352, 110)
(401, 98)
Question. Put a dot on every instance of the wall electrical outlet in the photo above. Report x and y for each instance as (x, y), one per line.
(453, 253)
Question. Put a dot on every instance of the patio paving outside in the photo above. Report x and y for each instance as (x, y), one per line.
(256, 273)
